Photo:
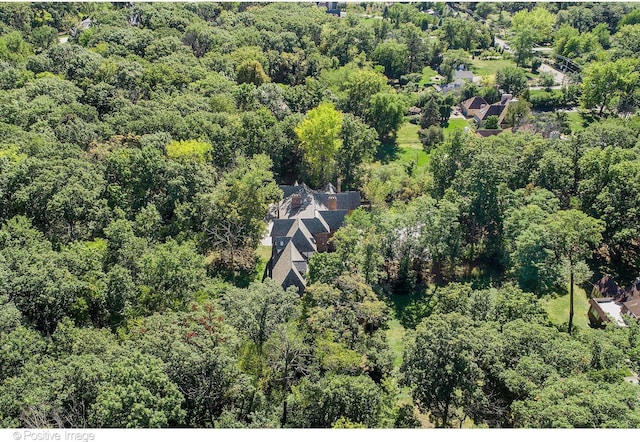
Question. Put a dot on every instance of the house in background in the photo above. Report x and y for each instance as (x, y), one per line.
(460, 77)
(463, 75)
(609, 302)
(455, 85)
(305, 220)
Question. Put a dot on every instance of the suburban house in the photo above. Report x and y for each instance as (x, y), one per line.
(453, 86)
(304, 222)
(472, 106)
(609, 302)
(498, 109)
(463, 75)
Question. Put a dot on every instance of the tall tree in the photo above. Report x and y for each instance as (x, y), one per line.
(440, 366)
(233, 214)
(573, 234)
(512, 80)
(385, 114)
(603, 82)
(359, 145)
(319, 135)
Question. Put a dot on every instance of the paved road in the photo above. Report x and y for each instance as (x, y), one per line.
(541, 88)
(558, 76)
(503, 44)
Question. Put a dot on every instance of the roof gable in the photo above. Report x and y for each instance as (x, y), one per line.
(333, 218)
(475, 103)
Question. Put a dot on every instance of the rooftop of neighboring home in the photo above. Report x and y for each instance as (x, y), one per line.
(609, 302)
(463, 75)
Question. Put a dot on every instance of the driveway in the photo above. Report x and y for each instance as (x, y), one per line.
(558, 76)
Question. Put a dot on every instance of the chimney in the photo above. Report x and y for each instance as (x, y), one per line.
(296, 201)
(339, 186)
(333, 202)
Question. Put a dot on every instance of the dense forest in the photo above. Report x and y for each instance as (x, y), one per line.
(142, 144)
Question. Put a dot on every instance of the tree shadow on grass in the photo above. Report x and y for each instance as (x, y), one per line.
(388, 152)
(410, 308)
(587, 118)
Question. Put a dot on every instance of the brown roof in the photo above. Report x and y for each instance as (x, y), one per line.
(474, 103)
(495, 109)
(632, 307)
(634, 290)
(598, 310)
(483, 133)
(606, 287)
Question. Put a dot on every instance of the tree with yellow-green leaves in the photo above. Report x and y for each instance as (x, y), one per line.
(189, 149)
(319, 135)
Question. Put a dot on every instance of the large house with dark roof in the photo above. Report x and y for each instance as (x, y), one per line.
(498, 109)
(472, 106)
(305, 220)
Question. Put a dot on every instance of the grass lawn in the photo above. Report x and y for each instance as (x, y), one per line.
(264, 254)
(576, 122)
(558, 308)
(537, 92)
(427, 73)
(455, 123)
(409, 145)
(395, 337)
(489, 67)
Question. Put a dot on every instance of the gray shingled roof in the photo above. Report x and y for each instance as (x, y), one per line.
(290, 190)
(280, 242)
(333, 218)
(293, 232)
(344, 201)
(463, 75)
(281, 227)
(284, 271)
(315, 225)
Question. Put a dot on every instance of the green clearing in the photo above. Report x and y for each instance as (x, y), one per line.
(558, 308)
(396, 338)
(489, 67)
(427, 73)
(536, 92)
(264, 254)
(576, 122)
(409, 145)
(455, 123)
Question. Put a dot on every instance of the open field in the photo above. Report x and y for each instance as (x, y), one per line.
(455, 123)
(558, 308)
(489, 67)
(409, 145)
(427, 73)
